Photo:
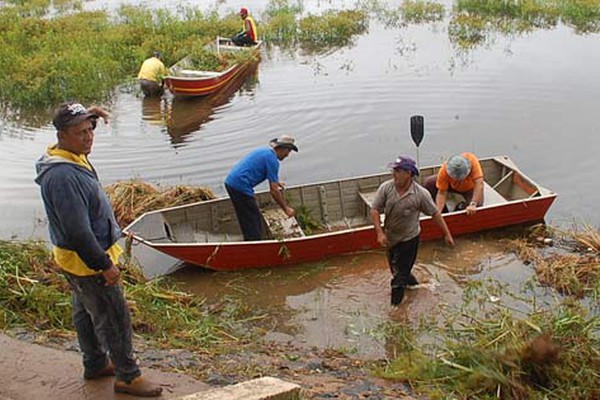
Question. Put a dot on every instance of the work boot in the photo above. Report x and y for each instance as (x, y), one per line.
(412, 281)
(397, 295)
(108, 370)
(139, 386)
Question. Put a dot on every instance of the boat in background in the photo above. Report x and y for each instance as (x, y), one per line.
(184, 81)
(207, 233)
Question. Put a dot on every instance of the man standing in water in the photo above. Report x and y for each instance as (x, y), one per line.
(402, 200)
(151, 75)
(248, 35)
(259, 165)
(84, 233)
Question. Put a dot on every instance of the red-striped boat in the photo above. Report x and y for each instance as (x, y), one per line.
(207, 233)
(186, 82)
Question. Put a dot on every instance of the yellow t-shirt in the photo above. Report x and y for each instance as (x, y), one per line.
(152, 70)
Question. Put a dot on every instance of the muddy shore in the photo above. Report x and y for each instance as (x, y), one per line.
(322, 374)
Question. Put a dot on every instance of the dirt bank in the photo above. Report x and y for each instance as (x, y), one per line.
(32, 371)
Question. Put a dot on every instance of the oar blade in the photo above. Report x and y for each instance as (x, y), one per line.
(417, 129)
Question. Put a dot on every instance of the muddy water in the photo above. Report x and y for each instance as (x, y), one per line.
(533, 98)
(344, 302)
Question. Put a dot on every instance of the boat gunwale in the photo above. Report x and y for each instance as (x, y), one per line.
(220, 74)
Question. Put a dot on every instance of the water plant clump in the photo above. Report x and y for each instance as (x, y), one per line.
(511, 347)
(132, 198)
(571, 265)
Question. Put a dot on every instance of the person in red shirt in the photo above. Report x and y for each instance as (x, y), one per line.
(461, 174)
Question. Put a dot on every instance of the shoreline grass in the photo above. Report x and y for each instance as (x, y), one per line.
(35, 296)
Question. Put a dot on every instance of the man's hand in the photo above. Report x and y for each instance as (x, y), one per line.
(111, 275)
(471, 208)
(100, 112)
(382, 239)
(289, 211)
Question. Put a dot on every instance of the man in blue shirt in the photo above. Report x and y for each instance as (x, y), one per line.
(256, 167)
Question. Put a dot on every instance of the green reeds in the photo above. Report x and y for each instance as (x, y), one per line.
(486, 350)
(35, 296)
(49, 59)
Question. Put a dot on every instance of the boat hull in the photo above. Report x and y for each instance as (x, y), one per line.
(207, 234)
(204, 83)
(271, 253)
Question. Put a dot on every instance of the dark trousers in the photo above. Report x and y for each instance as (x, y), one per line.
(429, 184)
(248, 214)
(103, 323)
(401, 259)
(242, 39)
(151, 88)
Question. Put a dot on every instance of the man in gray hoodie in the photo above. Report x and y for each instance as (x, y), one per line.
(84, 233)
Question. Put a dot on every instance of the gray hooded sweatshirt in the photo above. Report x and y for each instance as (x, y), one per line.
(79, 213)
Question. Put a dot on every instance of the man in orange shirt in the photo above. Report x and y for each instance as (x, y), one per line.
(461, 174)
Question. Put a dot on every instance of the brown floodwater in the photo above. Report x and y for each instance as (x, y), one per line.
(344, 302)
(532, 97)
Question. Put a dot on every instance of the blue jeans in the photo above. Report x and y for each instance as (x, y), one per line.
(102, 320)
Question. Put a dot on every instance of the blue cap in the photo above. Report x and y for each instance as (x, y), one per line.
(405, 163)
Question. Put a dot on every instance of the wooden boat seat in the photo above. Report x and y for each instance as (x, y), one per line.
(367, 197)
(491, 196)
(279, 225)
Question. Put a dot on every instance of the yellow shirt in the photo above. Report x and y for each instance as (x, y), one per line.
(152, 70)
(68, 260)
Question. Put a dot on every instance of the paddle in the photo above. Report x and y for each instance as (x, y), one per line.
(417, 131)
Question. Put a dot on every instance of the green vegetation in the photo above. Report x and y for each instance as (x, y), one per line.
(86, 55)
(474, 21)
(512, 345)
(34, 295)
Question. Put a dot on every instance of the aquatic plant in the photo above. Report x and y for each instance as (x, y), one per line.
(571, 266)
(132, 198)
(57, 53)
(34, 295)
(484, 348)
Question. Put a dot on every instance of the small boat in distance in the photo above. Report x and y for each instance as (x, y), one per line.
(207, 233)
(185, 81)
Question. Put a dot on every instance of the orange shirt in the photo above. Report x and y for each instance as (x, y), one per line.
(444, 181)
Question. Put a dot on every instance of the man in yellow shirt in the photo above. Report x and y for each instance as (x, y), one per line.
(151, 75)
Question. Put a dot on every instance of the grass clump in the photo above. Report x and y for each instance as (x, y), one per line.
(286, 27)
(571, 266)
(332, 29)
(474, 21)
(485, 349)
(35, 296)
(132, 198)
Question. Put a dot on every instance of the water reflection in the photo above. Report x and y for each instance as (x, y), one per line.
(182, 116)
